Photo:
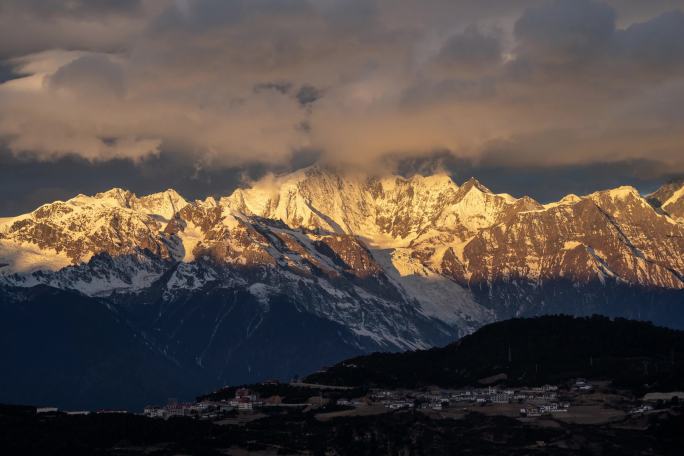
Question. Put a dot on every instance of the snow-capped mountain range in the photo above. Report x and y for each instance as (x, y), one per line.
(381, 263)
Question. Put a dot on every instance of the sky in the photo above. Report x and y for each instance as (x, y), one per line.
(536, 97)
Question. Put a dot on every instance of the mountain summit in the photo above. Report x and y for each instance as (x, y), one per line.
(303, 269)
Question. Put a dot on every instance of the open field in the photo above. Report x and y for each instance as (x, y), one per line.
(363, 410)
(241, 418)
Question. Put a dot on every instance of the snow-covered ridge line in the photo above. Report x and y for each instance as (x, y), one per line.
(431, 216)
(397, 261)
(256, 197)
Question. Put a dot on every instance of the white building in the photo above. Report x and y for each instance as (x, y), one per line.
(47, 410)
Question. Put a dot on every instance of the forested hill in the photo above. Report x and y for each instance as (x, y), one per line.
(546, 349)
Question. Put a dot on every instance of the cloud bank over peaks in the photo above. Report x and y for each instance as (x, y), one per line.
(237, 82)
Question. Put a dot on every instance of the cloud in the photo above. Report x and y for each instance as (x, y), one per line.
(90, 75)
(470, 50)
(78, 8)
(657, 43)
(238, 82)
(30, 26)
(85, 108)
(565, 31)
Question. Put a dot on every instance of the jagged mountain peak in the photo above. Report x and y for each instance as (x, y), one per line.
(666, 191)
(115, 192)
(570, 198)
(169, 194)
(623, 192)
(64, 233)
(613, 197)
(114, 197)
(472, 182)
(318, 176)
(669, 199)
(387, 211)
(438, 180)
(154, 203)
(163, 204)
(627, 204)
(345, 201)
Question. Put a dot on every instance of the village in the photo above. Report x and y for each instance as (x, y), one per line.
(529, 401)
(578, 401)
(533, 401)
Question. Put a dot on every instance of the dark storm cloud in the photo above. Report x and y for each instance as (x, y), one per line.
(657, 43)
(566, 39)
(565, 31)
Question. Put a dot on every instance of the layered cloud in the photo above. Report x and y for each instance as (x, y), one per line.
(239, 82)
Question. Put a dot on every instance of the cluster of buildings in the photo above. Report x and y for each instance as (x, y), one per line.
(202, 410)
(440, 399)
(393, 400)
(244, 400)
